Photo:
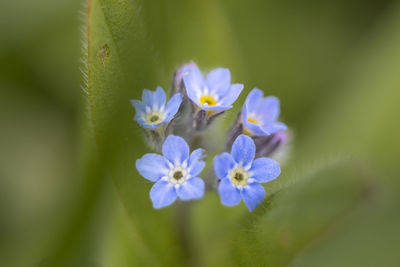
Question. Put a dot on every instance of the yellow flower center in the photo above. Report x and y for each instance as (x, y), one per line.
(154, 117)
(246, 131)
(239, 176)
(207, 99)
(252, 120)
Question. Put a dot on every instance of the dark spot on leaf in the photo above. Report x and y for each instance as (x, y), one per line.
(285, 237)
(104, 54)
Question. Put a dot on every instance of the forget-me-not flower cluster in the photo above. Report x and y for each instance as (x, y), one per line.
(175, 125)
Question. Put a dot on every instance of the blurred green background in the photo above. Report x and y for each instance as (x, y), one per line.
(69, 191)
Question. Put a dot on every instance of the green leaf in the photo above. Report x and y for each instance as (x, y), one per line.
(294, 218)
(119, 62)
(362, 119)
(123, 59)
(365, 237)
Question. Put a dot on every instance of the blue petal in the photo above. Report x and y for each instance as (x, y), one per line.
(232, 94)
(229, 194)
(194, 84)
(196, 155)
(196, 168)
(254, 96)
(217, 107)
(144, 124)
(162, 194)
(139, 106)
(264, 170)
(140, 111)
(175, 149)
(147, 97)
(275, 127)
(195, 165)
(268, 109)
(140, 120)
(159, 97)
(140, 117)
(243, 150)
(173, 106)
(219, 81)
(252, 195)
(255, 129)
(191, 189)
(152, 166)
(223, 163)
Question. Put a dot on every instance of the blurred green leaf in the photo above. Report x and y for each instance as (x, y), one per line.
(294, 218)
(119, 55)
(362, 121)
(368, 236)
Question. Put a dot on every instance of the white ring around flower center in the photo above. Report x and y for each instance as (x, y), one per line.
(154, 117)
(177, 175)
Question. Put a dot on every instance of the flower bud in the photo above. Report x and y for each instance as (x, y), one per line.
(155, 137)
(267, 145)
(203, 118)
(186, 111)
(235, 130)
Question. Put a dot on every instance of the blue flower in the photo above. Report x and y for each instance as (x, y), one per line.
(259, 114)
(152, 112)
(215, 93)
(174, 173)
(241, 174)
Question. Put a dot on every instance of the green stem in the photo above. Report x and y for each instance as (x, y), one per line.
(184, 232)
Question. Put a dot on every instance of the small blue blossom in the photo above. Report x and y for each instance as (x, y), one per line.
(174, 173)
(152, 112)
(215, 93)
(240, 174)
(259, 114)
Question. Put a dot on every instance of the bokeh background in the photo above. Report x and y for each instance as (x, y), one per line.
(69, 192)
